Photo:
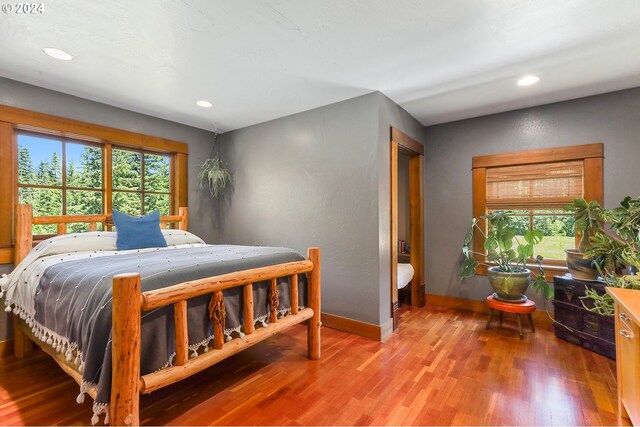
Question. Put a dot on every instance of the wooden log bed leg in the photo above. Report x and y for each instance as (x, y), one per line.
(125, 349)
(313, 329)
(22, 345)
(182, 332)
(294, 294)
(247, 293)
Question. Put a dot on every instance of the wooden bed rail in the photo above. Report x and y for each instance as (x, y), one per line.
(195, 288)
(129, 302)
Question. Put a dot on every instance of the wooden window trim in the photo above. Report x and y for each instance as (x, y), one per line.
(15, 119)
(591, 154)
(75, 129)
(543, 155)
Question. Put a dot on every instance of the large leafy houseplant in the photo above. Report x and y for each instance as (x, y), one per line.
(625, 222)
(611, 253)
(587, 223)
(587, 220)
(507, 257)
(607, 253)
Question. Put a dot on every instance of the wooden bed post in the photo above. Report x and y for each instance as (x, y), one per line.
(24, 237)
(184, 218)
(313, 335)
(22, 345)
(125, 351)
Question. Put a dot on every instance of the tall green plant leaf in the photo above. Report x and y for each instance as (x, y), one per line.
(468, 268)
(533, 237)
(469, 237)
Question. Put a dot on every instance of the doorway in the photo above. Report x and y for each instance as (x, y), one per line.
(412, 246)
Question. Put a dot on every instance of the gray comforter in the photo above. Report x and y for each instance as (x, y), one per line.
(74, 301)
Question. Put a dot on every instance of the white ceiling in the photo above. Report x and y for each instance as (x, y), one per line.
(257, 60)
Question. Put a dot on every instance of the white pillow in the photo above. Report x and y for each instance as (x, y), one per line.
(76, 242)
(97, 241)
(180, 237)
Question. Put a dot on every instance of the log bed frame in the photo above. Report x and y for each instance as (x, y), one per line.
(128, 303)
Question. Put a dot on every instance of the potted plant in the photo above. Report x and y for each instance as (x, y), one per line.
(587, 221)
(607, 253)
(612, 253)
(625, 222)
(506, 257)
(213, 173)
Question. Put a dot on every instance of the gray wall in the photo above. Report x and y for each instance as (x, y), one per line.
(310, 179)
(321, 178)
(612, 118)
(202, 214)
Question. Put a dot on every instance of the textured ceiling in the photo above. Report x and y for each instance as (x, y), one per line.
(257, 60)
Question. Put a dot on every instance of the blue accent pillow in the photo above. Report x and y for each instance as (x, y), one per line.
(138, 232)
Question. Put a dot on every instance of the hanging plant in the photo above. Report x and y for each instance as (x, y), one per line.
(213, 173)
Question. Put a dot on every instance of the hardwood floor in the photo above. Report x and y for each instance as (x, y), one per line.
(441, 368)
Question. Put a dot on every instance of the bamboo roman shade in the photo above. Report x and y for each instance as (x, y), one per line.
(535, 185)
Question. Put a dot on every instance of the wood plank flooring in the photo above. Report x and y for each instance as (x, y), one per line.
(441, 368)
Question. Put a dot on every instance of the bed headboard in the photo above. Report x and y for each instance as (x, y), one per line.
(25, 220)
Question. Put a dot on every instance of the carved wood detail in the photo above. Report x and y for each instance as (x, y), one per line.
(218, 314)
(273, 300)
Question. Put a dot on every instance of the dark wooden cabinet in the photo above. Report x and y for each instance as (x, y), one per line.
(574, 323)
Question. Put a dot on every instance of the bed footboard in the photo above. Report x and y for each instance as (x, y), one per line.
(128, 303)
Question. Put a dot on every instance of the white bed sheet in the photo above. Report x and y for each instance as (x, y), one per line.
(405, 274)
(19, 287)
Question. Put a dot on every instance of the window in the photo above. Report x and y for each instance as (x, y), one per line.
(141, 182)
(536, 194)
(535, 185)
(59, 177)
(67, 167)
(556, 226)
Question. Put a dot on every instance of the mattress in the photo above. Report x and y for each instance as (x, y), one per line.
(405, 274)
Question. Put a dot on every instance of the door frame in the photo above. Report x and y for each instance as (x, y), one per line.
(401, 142)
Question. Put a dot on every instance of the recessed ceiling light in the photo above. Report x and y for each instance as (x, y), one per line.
(204, 104)
(528, 80)
(57, 53)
